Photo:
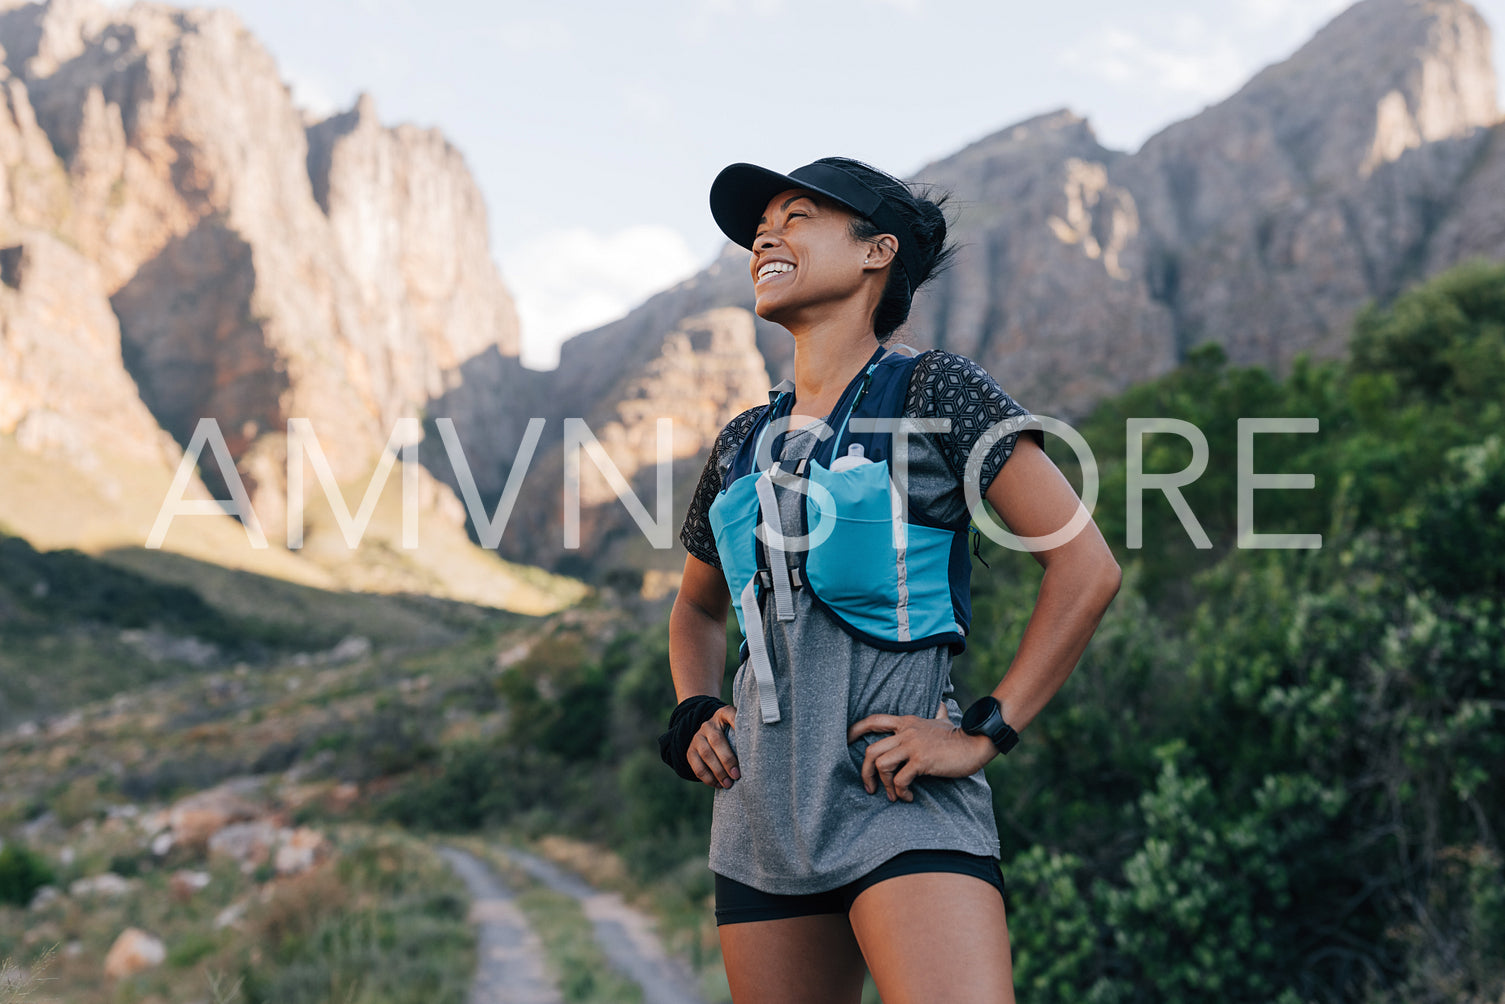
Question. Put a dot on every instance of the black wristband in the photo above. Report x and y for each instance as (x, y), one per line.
(688, 717)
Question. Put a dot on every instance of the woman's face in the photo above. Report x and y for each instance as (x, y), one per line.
(804, 255)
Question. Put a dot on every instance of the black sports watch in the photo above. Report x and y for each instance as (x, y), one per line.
(985, 718)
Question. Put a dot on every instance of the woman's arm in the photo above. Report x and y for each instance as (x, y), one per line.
(697, 657)
(697, 630)
(1081, 578)
(1034, 499)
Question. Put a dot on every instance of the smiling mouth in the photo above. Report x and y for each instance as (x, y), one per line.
(772, 269)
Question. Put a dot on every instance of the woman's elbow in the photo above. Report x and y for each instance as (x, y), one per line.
(1091, 570)
(1095, 572)
(1107, 577)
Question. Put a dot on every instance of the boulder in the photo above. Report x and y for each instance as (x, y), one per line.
(197, 818)
(134, 951)
(300, 850)
(249, 843)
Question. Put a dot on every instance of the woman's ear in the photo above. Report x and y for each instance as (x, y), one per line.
(881, 250)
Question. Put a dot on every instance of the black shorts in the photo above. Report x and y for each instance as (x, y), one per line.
(740, 904)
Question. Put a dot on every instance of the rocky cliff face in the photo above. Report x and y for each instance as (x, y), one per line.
(1319, 185)
(211, 253)
(1370, 158)
(179, 243)
(261, 268)
(54, 322)
(1367, 160)
(706, 370)
(1050, 291)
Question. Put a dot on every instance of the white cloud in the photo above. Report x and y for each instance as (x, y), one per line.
(569, 281)
(1192, 56)
(1195, 62)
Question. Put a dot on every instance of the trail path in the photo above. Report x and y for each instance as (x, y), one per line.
(625, 935)
(509, 963)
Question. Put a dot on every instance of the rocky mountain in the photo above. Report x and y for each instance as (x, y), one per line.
(213, 253)
(181, 243)
(1321, 184)
(1371, 158)
(707, 369)
(1367, 160)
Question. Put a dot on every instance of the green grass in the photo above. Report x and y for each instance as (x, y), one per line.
(383, 921)
(16, 985)
(575, 958)
(385, 925)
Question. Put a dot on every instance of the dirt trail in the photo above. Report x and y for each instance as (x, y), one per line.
(509, 956)
(625, 934)
(511, 965)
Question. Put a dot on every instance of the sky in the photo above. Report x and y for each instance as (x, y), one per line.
(594, 128)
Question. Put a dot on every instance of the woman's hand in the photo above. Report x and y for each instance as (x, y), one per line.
(917, 746)
(710, 754)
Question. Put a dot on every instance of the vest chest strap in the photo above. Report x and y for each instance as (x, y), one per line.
(766, 579)
(783, 601)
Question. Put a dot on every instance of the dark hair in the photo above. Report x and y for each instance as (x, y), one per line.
(919, 207)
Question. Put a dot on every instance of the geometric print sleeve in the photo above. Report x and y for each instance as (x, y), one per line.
(696, 533)
(983, 417)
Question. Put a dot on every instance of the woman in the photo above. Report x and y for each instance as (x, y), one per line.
(852, 825)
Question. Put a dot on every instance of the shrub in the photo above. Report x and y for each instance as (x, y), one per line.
(22, 873)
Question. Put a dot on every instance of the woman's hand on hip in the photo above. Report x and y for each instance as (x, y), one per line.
(710, 754)
(917, 746)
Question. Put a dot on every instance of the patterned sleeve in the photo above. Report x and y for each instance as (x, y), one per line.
(983, 416)
(696, 533)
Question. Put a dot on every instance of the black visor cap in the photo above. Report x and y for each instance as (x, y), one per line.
(741, 192)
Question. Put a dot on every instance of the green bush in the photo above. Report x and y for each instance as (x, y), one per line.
(22, 873)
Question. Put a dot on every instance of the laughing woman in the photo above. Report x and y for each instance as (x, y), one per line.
(852, 826)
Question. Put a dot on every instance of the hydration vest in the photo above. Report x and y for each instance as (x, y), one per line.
(866, 556)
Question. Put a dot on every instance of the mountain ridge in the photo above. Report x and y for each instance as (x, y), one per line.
(259, 264)
(161, 146)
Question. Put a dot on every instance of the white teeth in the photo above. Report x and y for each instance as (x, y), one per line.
(775, 266)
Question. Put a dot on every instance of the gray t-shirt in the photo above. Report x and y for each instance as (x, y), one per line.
(799, 821)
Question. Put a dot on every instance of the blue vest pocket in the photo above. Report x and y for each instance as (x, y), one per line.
(734, 518)
(860, 571)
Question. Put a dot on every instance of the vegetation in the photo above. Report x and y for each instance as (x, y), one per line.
(385, 926)
(74, 628)
(1274, 776)
(18, 985)
(381, 921)
(22, 873)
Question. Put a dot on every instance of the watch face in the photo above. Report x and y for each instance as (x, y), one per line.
(978, 714)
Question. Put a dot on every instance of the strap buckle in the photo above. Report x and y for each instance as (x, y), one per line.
(765, 578)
